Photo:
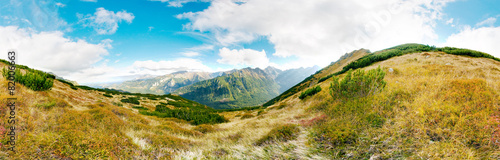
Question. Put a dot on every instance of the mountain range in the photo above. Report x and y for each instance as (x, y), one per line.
(221, 90)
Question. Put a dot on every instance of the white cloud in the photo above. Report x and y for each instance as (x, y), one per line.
(60, 4)
(319, 30)
(202, 47)
(150, 28)
(247, 57)
(89, 0)
(104, 21)
(35, 14)
(191, 54)
(51, 51)
(450, 21)
(485, 39)
(165, 67)
(178, 3)
(488, 22)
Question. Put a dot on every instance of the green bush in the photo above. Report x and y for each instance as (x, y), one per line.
(310, 92)
(132, 100)
(358, 84)
(279, 134)
(108, 95)
(140, 108)
(466, 52)
(194, 116)
(33, 79)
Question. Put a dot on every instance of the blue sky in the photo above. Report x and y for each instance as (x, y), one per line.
(95, 41)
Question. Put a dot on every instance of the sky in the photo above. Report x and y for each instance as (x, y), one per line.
(100, 41)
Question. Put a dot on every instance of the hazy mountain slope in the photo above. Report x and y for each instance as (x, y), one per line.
(162, 84)
(234, 89)
(273, 72)
(291, 77)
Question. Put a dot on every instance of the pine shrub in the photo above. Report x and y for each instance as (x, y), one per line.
(358, 84)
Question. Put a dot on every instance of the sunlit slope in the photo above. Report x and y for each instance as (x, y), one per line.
(434, 105)
(84, 123)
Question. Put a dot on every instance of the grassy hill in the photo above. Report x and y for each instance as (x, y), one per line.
(441, 103)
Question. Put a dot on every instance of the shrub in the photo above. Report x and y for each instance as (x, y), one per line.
(132, 100)
(194, 116)
(310, 92)
(140, 108)
(466, 52)
(358, 84)
(279, 134)
(108, 95)
(33, 79)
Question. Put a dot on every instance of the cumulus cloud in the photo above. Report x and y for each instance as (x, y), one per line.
(485, 39)
(247, 57)
(51, 51)
(104, 21)
(320, 30)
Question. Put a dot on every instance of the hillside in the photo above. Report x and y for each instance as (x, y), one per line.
(417, 102)
(234, 89)
(312, 79)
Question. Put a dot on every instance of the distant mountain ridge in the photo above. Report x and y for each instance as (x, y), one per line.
(256, 85)
(162, 84)
(234, 89)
